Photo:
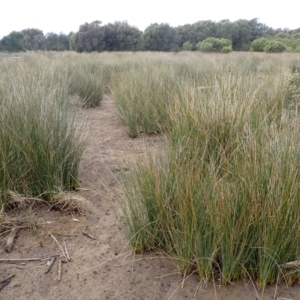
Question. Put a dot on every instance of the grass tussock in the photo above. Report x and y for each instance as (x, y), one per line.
(89, 80)
(73, 203)
(223, 197)
(41, 136)
(41, 144)
(15, 201)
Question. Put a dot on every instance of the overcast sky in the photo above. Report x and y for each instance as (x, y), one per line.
(66, 16)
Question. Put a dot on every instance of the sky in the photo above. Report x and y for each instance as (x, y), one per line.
(66, 16)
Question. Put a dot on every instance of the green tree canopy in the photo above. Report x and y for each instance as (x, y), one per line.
(12, 42)
(258, 45)
(213, 44)
(275, 47)
(187, 33)
(241, 35)
(51, 42)
(120, 36)
(34, 39)
(110, 37)
(128, 37)
(57, 42)
(63, 42)
(205, 29)
(89, 38)
(224, 29)
(187, 46)
(161, 37)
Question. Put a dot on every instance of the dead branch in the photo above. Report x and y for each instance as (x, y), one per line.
(14, 260)
(11, 238)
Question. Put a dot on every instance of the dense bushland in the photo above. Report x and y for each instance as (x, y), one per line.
(120, 36)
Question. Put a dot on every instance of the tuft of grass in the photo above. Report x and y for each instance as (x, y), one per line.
(73, 203)
(89, 80)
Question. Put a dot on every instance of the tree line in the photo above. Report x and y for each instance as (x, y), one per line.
(223, 36)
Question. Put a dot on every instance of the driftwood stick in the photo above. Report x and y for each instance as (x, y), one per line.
(59, 269)
(14, 260)
(66, 251)
(51, 262)
(84, 232)
(10, 239)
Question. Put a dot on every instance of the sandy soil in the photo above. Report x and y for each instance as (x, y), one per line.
(105, 268)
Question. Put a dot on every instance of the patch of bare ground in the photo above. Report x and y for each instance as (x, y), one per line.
(101, 264)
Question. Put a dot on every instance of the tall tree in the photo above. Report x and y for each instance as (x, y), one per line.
(89, 38)
(63, 42)
(128, 37)
(187, 33)
(258, 29)
(34, 39)
(241, 35)
(224, 29)
(120, 36)
(161, 37)
(51, 42)
(12, 42)
(205, 29)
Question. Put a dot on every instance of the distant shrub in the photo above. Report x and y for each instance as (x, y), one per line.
(297, 49)
(275, 47)
(226, 49)
(213, 44)
(187, 46)
(258, 45)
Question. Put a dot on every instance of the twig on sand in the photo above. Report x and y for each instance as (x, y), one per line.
(84, 232)
(59, 269)
(5, 282)
(14, 260)
(11, 238)
(63, 254)
(51, 262)
(184, 277)
(66, 251)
